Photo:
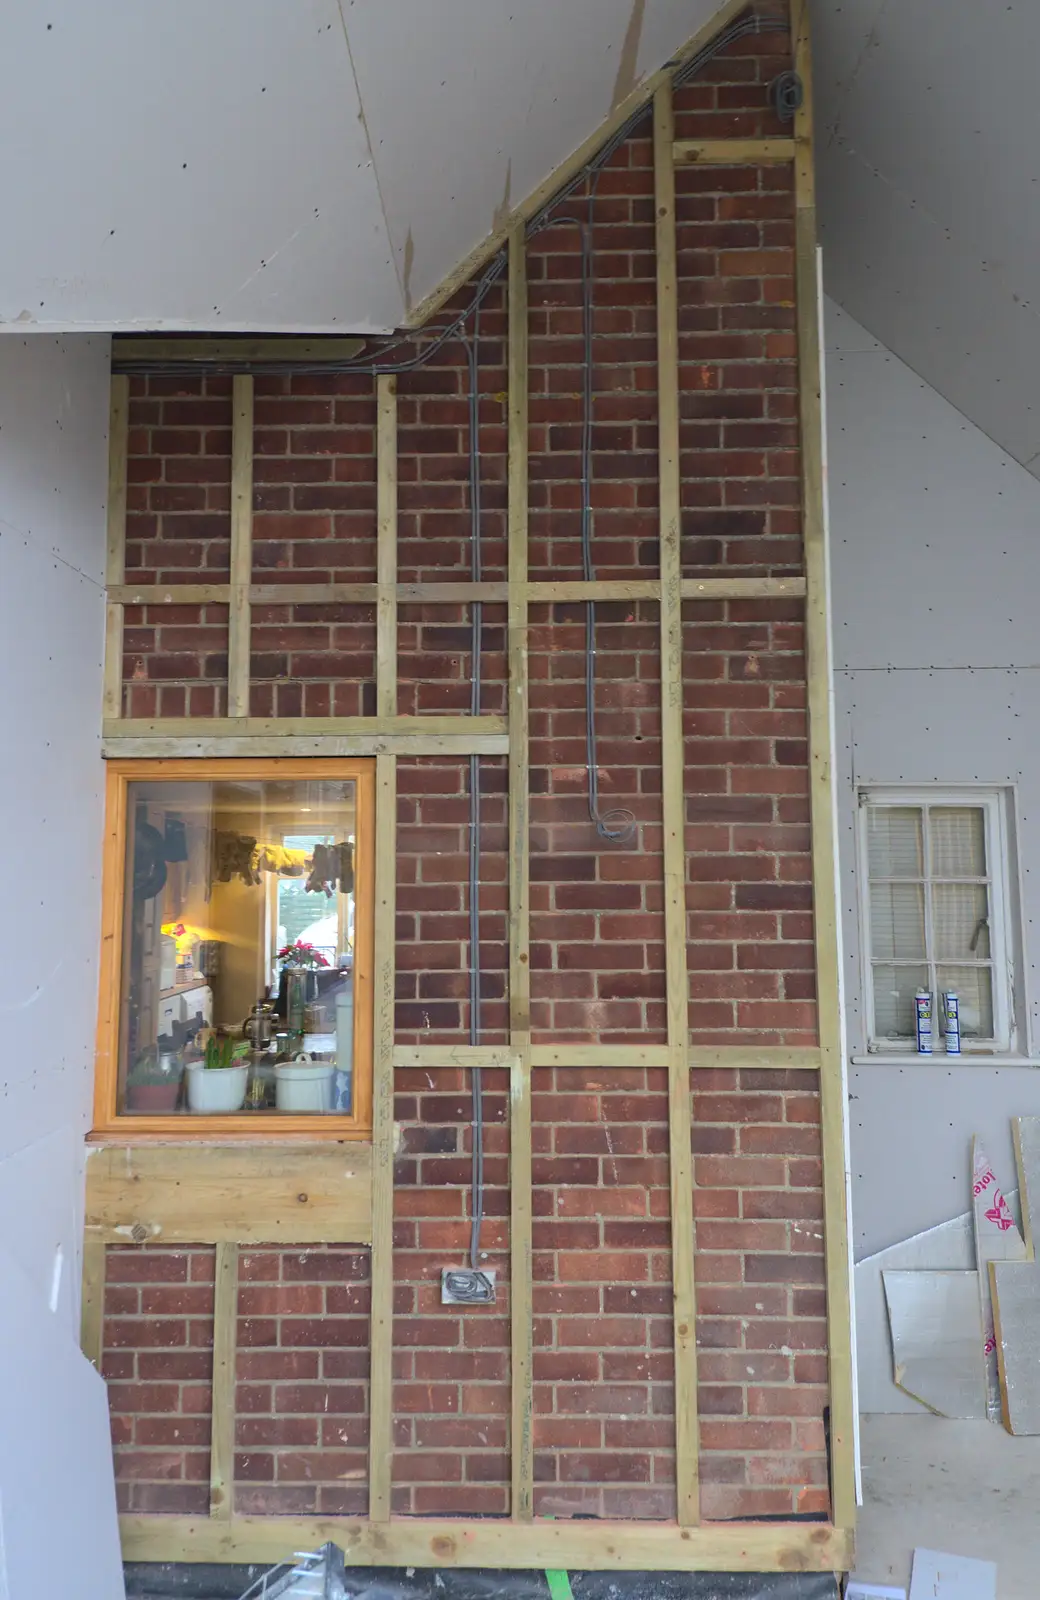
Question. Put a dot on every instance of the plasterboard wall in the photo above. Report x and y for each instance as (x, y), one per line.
(935, 537)
(53, 472)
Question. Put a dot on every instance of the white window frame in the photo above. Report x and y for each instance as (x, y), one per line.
(993, 802)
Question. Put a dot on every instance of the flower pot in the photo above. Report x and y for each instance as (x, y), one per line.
(216, 1089)
(304, 1085)
(157, 1099)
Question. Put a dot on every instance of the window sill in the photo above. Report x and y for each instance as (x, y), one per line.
(967, 1058)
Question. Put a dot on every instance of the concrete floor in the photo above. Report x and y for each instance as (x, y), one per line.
(965, 1487)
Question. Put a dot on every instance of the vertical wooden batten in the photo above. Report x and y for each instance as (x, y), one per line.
(673, 818)
(521, 1292)
(382, 1324)
(241, 544)
(822, 805)
(92, 1303)
(115, 544)
(225, 1341)
(386, 545)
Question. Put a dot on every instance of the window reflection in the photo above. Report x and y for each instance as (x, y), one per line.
(237, 991)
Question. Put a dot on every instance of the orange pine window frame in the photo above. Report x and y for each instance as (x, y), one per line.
(238, 1126)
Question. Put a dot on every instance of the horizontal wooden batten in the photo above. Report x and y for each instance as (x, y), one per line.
(170, 594)
(732, 152)
(779, 1056)
(567, 1544)
(313, 594)
(599, 1055)
(230, 351)
(742, 588)
(192, 737)
(453, 1055)
(314, 727)
(208, 1194)
(330, 745)
(298, 594)
(595, 589)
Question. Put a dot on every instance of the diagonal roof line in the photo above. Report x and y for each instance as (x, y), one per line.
(526, 208)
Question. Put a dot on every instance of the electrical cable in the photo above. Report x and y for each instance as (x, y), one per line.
(476, 630)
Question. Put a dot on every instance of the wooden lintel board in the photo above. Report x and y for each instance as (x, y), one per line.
(244, 351)
(565, 1544)
(312, 727)
(189, 1193)
(115, 748)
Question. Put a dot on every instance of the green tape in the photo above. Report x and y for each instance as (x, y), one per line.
(559, 1586)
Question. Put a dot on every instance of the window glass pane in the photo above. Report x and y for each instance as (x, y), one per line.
(894, 842)
(974, 989)
(238, 931)
(894, 989)
(960, 921)
(958, 841)
(897, 921)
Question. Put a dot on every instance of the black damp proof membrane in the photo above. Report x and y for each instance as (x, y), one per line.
(190, 1581)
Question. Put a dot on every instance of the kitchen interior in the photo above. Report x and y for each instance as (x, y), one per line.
(237, 992)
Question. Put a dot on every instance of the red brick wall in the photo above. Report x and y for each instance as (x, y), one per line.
(604, 1429)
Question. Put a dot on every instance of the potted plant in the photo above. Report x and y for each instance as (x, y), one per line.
(153, 1083)
(217, 1083)
(301, 962)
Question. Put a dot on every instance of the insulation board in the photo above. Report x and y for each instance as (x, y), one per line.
(937, 1345)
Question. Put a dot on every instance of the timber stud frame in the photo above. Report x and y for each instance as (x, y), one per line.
(352, 1201)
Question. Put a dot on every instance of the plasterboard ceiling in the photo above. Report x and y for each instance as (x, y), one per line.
(316, 166)
(929, 177)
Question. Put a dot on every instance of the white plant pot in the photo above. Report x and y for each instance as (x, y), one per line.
(304, 1085)
(216, 1089)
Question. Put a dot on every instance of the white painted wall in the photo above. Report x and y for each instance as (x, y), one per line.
(935, 540)
(53, 469)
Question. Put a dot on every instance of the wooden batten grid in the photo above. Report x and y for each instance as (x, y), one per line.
(308, 1194)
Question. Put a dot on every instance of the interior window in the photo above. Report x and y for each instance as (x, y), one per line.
(237, 988)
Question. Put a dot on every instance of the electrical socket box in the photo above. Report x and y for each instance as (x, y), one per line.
(467, 1286)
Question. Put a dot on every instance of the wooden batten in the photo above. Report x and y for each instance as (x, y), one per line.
(194, 1193)
(562, 1545)
(521, 1290)
(386, 545)
(241, 545)
(732, 152)
(674, 822)
(222, 1409)
(92, 1304)
(382, 1319)
(821, 793)
(115, 546)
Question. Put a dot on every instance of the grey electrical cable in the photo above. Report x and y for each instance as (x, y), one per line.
(476, 627)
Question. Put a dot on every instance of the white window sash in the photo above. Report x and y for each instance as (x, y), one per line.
(992, 803)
